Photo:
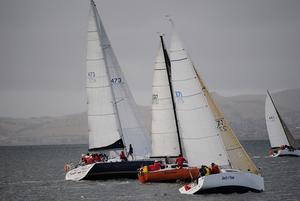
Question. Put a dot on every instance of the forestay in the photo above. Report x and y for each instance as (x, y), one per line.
(199, 134)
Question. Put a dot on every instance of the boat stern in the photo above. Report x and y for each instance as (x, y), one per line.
(226, 182)
(79, 172)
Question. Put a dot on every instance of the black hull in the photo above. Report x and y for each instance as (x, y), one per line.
(115, 170)
(228, 190)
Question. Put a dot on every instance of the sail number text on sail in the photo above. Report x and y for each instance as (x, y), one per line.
(116, 80)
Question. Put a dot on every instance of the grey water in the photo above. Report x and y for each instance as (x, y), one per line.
(36, 173)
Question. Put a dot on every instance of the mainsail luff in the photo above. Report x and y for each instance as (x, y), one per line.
(278, 132)
(102, 113)
(164, 132)
(204, 147)
(238, 157)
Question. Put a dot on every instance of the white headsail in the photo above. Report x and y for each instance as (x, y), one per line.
(114, 119)
(164, 132)
(278, 132)
(199, 133)
(275, 130)
(238, 157)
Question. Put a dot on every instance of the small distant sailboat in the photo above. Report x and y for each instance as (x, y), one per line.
(206, 136)
(165, 134)
(113, 119)
(282, 141)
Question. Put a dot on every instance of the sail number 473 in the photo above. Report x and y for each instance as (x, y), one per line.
(116, 80)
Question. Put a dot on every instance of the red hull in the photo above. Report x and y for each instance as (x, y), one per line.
(169, 175)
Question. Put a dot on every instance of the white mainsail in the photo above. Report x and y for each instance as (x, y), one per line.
(278, 132)
(164, 132)
(198, 130)
(112, 112)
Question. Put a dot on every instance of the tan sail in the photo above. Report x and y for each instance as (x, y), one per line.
(238, 157)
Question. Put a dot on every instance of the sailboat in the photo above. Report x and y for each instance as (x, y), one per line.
(282, 141)
(166, 142)
(113, 119)
(205, 134)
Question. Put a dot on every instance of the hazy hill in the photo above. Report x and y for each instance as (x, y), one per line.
(70, 129)
(246, 114)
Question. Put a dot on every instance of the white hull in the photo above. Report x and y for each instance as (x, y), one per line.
(225, 182)
(286, 152)
(79, 173)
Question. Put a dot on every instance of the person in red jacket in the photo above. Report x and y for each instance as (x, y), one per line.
(214, 168)
(157, 165)
(122, 156)
(180, 160)
(89, 159)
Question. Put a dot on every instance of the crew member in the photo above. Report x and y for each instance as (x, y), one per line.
(214, 168)
(180, 160)
(204, 170)
(156, 165)
(122, 156)
(130, 152)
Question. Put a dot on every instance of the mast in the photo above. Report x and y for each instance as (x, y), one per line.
(168, 67)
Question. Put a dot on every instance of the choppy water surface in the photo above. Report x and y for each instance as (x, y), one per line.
(36, 173)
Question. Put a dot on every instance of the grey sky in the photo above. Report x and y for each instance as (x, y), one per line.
(239, 47)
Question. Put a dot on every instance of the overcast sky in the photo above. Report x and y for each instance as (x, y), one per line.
(238, 46)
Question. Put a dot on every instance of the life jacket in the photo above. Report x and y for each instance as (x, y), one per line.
(204, 170)
(207, 169)
(145, 169)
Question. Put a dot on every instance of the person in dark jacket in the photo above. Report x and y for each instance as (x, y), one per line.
(130, 152)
